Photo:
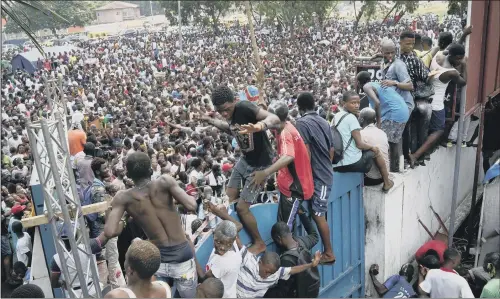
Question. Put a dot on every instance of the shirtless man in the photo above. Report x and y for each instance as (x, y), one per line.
(151, 204)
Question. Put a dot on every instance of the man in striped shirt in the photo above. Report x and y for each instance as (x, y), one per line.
(257, 275)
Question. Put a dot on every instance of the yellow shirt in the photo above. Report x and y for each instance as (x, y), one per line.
(425, 56)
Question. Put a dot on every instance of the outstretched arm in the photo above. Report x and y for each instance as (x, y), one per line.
(114, 223)
(223, 214)
(219, 124)
(302, 268)
(178, 194)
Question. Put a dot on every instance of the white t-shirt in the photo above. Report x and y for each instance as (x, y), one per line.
(444, 284)
(22, 248)
(77, 117)
(226, 268)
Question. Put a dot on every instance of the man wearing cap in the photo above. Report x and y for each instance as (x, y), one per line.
(17, 213)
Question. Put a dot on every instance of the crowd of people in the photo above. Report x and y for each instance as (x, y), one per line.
(171, 138)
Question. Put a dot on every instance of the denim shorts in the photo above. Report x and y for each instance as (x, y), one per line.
(240, 180)
(180, 276)
(437, 121)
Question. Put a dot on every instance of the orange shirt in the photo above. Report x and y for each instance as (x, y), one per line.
(76, 140)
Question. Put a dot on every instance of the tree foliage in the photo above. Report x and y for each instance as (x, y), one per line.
(204, 13)
(457, 7)
(75, 13)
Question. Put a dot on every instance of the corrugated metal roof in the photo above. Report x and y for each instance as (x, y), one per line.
(117, 5)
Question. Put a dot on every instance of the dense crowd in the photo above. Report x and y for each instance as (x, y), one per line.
(171, 138)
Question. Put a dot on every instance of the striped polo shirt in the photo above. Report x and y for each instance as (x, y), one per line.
(250, 284)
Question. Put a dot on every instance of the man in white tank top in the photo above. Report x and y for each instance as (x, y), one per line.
(142, 260)
(446, 68)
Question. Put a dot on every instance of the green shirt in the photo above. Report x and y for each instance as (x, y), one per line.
(491, 289)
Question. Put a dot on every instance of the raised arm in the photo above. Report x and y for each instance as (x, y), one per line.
(219, 124)
(223, 214)
(114, 224)
(178, 193)
(312, 264)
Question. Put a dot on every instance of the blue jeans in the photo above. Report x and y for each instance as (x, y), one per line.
(181, 276)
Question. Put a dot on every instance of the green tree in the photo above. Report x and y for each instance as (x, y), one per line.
(15, 13)
(367, 7)
(457, 7)
(319, 11)
(205, 13)
(75, 13)
(289, 14)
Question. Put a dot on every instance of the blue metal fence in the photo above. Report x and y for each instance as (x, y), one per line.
(346, 220)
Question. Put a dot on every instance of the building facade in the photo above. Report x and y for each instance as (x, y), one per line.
(117, 11)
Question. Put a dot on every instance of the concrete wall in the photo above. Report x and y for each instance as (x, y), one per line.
(131, 13)
(393, 233)
(109, 16)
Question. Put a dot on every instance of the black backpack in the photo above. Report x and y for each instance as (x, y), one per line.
(338, 144)
(307, 282)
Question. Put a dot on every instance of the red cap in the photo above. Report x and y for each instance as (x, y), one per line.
(226, 167)
(17, 209)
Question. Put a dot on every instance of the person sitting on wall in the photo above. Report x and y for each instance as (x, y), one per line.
(376, 137)
(358, 156)
(396, 286)
(391, 111)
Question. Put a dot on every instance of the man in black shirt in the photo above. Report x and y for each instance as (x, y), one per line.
(247, 122)
(287, 243)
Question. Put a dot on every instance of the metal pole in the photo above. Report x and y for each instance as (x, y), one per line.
(481, 97)
(458, 152)
(81, 222)
(151, 7)
(64, 208)
(457, 172)
(48, 204)
(179, 22)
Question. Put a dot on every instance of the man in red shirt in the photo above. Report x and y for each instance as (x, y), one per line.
(295, 181)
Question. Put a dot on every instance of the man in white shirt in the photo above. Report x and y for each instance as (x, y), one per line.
(77, 116)
(445, 282)
(225, 261)
(23, 245)
(373, 136)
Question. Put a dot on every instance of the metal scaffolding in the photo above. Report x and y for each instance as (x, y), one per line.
(48, 139)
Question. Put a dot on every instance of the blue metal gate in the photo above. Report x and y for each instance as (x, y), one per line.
(346, 220)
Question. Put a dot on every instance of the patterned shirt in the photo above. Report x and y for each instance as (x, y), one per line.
(416, 68)
(250, 284)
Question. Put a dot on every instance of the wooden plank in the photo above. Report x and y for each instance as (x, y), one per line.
(43, 219)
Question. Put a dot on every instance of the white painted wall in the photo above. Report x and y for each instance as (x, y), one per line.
(393, 233)
(109, 16)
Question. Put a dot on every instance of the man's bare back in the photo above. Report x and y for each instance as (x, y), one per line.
(152, 207)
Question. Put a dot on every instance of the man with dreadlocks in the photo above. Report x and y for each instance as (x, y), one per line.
(142, 260)
(151, 204)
